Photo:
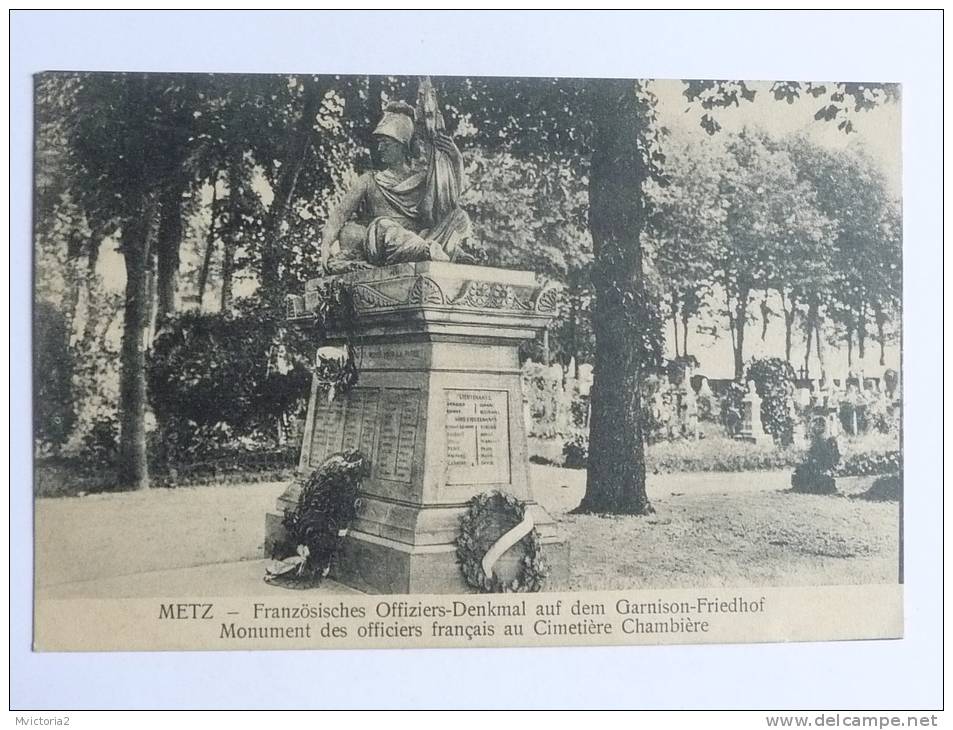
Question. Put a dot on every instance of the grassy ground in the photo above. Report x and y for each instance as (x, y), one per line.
(724, 529)
(709, 529)
(751, 538)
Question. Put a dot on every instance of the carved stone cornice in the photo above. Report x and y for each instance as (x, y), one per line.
(440, 298)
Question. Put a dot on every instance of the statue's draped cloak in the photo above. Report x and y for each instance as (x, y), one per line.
(425, 212)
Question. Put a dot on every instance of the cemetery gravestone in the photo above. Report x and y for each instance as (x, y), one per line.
(707, 402)
(751, 428)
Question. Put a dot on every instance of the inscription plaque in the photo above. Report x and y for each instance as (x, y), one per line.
(398, 434)
(348, 422)
(367, 402)
(328, 433)
(391, 357)
(478, 437)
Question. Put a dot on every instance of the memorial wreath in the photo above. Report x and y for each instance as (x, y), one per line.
(481, 543)
(336, 370)
(328, 503)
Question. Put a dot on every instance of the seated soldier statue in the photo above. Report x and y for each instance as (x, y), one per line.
(408, 210)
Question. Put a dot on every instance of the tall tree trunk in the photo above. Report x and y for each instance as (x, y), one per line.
(133, 458)
(862, 333)
(819, 340)
(90, 284)
(228, 265)
(675, 325)
(615, 480)
(573, 343)
(808, 333)
(821, 351)
(231, 234)
(685, 319)
(880, 317)
(739, 318)
(284, 189)
(788, 327)
(209, 246)
(789, 315)
(152, 299)
(73, 276)
(849, 337)
(740, 349)
(729, 308)
(168, 242)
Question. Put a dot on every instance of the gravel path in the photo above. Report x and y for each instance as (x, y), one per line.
(711, 528)
(101, 535)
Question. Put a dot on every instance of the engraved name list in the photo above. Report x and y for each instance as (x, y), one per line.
(478, 440)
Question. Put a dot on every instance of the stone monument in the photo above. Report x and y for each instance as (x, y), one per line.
(438, 411)
(438, 406)
(751, 428)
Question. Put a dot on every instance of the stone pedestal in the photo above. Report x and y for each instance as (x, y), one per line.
(437, 409)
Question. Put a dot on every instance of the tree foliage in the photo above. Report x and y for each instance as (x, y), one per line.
(53, 375)
(241, 372)
(770, 223)
(128, 141)
(860, 278)
(531, 215)
(685, 230)
(774, 378)
(195, 178)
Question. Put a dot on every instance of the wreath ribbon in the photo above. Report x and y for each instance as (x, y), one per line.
(506, 541)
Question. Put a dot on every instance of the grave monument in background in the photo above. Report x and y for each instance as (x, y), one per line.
(751, 427)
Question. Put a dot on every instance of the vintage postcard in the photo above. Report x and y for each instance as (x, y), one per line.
(330, 361)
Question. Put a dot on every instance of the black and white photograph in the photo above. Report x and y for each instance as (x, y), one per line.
(390, 335)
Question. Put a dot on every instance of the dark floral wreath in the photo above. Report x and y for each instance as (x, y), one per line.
(315, 528)
(334, 310)
(479, 531)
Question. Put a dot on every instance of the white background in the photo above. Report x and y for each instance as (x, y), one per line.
(900, 47)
